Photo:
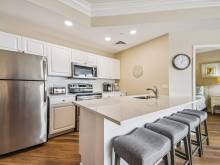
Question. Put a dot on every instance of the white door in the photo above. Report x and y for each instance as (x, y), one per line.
(62, 118)
(59, 60)
(10, 42)
(32, 46)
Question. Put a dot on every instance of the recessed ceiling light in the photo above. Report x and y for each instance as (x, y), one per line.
(108, 38)
(132, 32)
(68, 23)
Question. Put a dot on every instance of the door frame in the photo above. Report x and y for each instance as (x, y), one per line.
(195, 47)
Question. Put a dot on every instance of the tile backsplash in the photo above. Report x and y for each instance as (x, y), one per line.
(61, 81)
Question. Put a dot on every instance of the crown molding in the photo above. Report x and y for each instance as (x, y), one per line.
(80, 5)
(113, 8)
(144, 6)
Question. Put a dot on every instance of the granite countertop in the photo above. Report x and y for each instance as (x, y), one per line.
(119, 109)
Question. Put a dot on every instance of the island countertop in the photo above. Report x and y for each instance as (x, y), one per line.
(123, 108)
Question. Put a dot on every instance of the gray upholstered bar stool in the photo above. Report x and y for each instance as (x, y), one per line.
(176, 132)
(141, 147)
(203, 116)
(194, 124)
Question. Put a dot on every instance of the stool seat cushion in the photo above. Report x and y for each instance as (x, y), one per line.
(189, 120)
(173, 130)
(141, 147)
(201, 114)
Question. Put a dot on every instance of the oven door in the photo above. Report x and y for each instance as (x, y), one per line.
(81, 71)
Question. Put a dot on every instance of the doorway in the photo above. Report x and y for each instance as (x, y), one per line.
(206, 76)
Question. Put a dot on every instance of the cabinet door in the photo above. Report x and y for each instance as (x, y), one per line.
(91, 59)
(59, 60)
(115, 69)
(104, 67)
(62, 119)
(32, 46)
(10, 42)
(78, 57)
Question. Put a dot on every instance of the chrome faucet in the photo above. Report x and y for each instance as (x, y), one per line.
(154, 90)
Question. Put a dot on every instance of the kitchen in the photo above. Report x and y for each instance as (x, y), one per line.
(89, 74)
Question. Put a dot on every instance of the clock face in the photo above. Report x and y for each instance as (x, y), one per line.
(181, 61)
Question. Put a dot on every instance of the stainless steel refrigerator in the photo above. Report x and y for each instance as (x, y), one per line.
(23, 101)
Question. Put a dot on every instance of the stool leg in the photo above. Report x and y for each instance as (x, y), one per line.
(187, 150)
(167, 159)
(172, 155)
(117, 159)
(200, 137)
(206, 132)
(198, 141)
(190, 148)
(179, 144)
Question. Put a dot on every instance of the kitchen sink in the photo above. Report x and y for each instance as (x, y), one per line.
(144, 97)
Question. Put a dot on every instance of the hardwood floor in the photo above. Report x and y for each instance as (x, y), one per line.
(63, 150)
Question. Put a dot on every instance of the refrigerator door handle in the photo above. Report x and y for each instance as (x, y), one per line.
(45, 78)
(45, 68)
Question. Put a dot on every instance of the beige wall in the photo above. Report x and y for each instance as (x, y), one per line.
(153, 56)
(180, 82)
(206, 57)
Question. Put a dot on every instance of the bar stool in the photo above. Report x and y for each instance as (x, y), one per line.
(142, 147)
(193, 123)
(203, 116)
(176, 132)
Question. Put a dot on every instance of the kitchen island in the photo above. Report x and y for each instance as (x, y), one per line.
(103, 119)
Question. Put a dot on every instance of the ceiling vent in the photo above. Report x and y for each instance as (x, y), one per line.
(120, 43)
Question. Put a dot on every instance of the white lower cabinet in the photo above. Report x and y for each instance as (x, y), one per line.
(59, 60)
(10, 42)
(62, 118)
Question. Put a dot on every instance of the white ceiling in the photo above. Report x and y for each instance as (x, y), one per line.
(24, 13)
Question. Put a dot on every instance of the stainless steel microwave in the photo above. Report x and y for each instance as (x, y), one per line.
(84, 71)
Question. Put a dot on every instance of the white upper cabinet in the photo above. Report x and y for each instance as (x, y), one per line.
(91, 59)
(83, 58)
(108, 68)
(32, 46)
(116, 69)
(78, 57)
(103, 67)
(59, 57)
(10, 42)
(59, 60)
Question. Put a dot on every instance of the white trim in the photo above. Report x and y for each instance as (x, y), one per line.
(80, 5)
(141, 6)
(194, 64)
(138, 6)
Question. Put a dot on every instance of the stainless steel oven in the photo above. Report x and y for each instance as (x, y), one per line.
(84, 71)
(83, 91)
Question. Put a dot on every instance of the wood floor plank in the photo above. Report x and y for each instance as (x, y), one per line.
(64, 150)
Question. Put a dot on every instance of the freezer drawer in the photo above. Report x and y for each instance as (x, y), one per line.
(23, 115)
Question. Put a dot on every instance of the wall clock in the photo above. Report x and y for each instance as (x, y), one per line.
(181, 61)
